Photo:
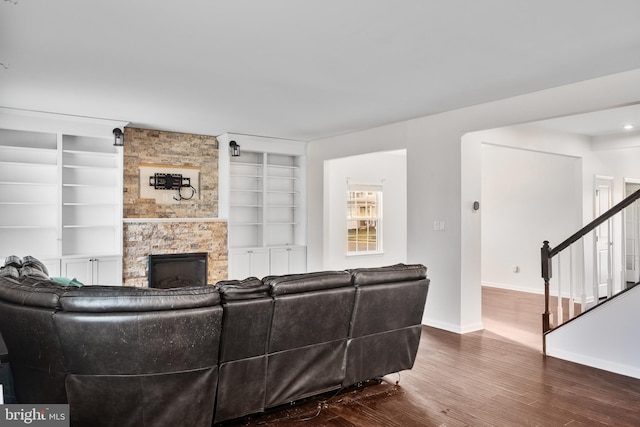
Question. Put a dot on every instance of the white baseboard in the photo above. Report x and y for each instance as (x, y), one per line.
(514, 287)
(630, 371)
(458, 329)
(528, 290)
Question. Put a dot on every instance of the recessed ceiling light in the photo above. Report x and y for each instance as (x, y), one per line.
(628, 127)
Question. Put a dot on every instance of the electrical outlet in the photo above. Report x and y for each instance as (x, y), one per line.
(438, 225)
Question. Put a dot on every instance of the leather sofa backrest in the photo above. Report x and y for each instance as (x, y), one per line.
(399, 290)
(137, 343)
(26, 309)
(246, 325)
(310, 308)
(248, 309)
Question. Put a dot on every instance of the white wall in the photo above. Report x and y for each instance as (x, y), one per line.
(606, 337)
(388, 169)
(620, 164)
(527, 197)
(439, 188)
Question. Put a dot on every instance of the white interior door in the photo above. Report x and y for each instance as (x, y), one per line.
(632, 236)
(603, 236)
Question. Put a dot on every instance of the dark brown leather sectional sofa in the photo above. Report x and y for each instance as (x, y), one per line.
(193, 356)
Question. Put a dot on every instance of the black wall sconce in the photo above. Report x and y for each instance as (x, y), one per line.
(118, 137)
(235, 149)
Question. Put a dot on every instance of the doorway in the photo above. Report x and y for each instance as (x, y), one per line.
(632, 235)
(603, 237)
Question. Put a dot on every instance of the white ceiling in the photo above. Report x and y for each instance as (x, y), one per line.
(598, 123)
(300, 69)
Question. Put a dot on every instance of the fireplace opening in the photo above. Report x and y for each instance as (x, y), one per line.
(177, 270)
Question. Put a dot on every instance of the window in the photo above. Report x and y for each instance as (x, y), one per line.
(364, 219)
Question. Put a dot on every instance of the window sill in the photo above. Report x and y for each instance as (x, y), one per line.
(360, 254)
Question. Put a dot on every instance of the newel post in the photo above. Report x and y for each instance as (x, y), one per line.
(545, 260)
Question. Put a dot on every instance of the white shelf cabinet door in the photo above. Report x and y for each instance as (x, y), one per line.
(80, 269)
(287, 260)
(94, 271)
(107, 271)
(245, 263)
(53, 266)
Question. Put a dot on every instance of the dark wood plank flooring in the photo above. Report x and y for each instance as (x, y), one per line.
(494, 377)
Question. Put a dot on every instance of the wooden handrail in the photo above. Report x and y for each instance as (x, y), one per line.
(596, 222)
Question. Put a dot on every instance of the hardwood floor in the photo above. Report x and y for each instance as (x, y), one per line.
(494, 377)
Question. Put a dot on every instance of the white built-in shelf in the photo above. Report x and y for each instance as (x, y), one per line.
(91, 153)
(88, 167)
(243, 175)
(11, 227)
(44, 184)
(28, 203)
(89, 204)
(289, 178)
(87, 185)
(30, 150)
(29, 164)
(88, 226)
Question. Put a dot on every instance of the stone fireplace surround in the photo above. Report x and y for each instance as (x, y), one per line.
(191, 226)
(147, 236)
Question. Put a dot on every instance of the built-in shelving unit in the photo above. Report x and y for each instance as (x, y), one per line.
(91, 196)
(28, 192)
(61, 200)
(265, 200)
(266, 206)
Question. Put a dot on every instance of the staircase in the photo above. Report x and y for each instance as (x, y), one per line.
(596, 270)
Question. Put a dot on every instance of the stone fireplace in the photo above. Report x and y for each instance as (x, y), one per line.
(190, 226)
(145, 236)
